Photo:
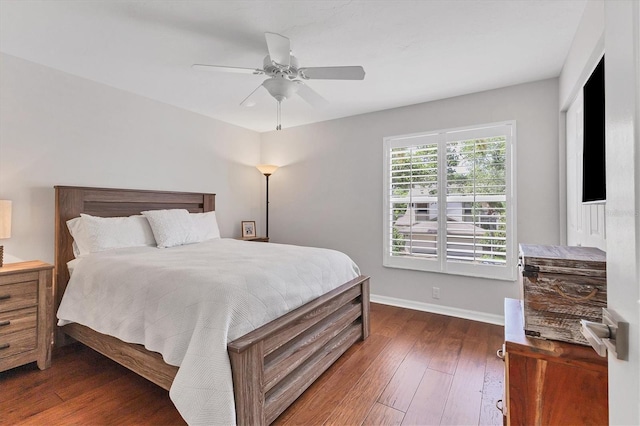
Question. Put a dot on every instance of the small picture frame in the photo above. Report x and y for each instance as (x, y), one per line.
(248, 228)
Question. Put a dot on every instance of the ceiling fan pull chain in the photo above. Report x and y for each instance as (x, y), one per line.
(279, 115)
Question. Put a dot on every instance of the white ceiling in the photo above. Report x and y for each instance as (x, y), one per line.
(412, 51)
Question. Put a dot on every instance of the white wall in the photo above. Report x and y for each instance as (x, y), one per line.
(328, 192)
(585, 53)
(58, 129)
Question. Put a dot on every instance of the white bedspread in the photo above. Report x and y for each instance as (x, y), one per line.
(188, 302)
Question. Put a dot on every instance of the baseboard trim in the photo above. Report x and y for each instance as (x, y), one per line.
(439, 309)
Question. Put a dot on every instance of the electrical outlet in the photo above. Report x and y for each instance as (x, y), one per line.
(435, 292)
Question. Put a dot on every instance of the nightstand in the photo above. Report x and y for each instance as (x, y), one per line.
(256, 239)
(26, 314)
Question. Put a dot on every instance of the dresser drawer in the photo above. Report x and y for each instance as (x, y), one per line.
(18, 342)
(21, 319)
(19, 295)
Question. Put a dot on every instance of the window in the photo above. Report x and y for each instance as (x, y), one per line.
(449, 202)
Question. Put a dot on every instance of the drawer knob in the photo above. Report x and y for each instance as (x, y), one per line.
(5, 346)
(6, 322)
(5, 296)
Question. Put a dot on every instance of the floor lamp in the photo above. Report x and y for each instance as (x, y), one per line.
(267, 170)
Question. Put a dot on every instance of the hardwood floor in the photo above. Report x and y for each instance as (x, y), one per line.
(415, 368)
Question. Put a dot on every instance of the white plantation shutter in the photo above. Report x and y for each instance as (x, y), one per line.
(449, 204)
(414, 166)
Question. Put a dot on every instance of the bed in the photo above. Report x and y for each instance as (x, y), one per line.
(270, 366)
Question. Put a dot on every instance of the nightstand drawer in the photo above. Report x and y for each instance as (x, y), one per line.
(18, 278)
(18, 295)
(15, 343)
(14, 321)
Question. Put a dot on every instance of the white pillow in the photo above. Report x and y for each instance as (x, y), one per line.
(205, 226)
(171, 227)
(106, 233)
(80, 244)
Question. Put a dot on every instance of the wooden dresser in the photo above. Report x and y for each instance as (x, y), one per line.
(549, 382)
(26, 314)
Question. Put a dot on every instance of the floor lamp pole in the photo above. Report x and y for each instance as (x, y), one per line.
(267, 170)
(267, 224)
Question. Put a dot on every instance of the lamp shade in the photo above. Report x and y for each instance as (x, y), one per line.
(5, 218)
(267, 169)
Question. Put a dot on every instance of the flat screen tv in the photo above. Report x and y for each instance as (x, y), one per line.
(594, 179)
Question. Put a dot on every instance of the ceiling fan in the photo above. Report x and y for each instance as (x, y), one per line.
(286, 77)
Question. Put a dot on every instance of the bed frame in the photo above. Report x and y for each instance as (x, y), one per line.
(272, 365)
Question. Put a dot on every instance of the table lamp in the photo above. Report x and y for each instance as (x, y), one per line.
(5, 225)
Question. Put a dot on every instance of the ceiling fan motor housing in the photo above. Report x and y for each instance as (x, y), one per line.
(273, 69)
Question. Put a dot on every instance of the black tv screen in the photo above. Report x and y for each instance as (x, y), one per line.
(594, 179)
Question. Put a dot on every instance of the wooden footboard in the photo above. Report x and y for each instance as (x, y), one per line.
(274, 364)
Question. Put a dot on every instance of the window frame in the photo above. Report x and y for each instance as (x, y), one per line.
(440, 264)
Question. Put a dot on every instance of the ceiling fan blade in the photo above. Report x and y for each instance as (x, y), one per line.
(311, 96)
(227, 69)
(279, 48)
(249, 101)
(332, 73)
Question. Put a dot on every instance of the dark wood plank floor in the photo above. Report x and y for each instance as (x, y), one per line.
(415, 368)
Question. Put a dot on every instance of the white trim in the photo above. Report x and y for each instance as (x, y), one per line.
(439, 309)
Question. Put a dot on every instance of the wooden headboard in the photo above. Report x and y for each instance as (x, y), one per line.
(108, 202)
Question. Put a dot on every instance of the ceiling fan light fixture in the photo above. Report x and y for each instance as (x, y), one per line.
(280, 88)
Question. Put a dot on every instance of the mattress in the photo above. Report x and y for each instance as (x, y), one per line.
(188, 302)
